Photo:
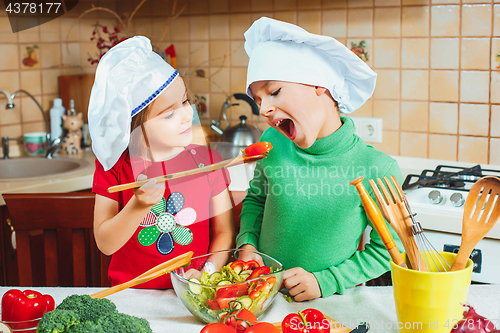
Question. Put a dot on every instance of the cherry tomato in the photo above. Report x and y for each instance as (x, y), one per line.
(263, 328)
(217, 328)
(258, 148)
(241, 319)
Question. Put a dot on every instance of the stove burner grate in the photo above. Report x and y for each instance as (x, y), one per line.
(456, 180)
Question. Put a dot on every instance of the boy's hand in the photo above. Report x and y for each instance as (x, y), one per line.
(249, 255)
(150, 193)
(301, 284)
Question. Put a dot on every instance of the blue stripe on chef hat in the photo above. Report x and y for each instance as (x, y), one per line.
(128, 78)
(285, 52)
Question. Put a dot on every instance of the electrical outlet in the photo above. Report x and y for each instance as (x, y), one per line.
(368, 129)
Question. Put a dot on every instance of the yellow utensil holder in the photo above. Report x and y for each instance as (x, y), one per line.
(430, 302)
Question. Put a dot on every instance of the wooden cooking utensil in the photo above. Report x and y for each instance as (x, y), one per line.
(212, 167)
(392, 213)
(153, 273)
(378, 222)
(401, 216)
(476, 225)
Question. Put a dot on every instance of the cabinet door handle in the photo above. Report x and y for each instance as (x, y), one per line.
(13, 235)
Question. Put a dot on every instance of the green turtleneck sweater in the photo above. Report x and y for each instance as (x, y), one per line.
(301, 210)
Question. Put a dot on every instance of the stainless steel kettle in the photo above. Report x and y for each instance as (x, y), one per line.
(236, 138)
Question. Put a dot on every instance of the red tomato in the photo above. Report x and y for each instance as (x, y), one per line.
(263, 328)
(258, 148)
(217, 328)
(213, 304)
(311, 321)
(236, 290)
(224, 302)
(239, 320)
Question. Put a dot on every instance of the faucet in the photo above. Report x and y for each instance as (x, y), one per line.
(9, 105)
(50, 146)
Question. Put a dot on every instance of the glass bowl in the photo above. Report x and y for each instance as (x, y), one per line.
(23, 326)
(210, 300)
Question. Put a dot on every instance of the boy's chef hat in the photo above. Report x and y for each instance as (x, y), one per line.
(128, 78)
(285, 52)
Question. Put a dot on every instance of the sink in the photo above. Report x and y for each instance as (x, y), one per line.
(33, 168)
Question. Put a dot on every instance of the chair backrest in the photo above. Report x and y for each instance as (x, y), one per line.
(55, 240)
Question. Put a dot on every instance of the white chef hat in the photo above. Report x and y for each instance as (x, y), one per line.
(285, 52)
(128, 78)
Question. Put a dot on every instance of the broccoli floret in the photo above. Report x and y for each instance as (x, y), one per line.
(124, 323)
(58, 321)
(88, 308)
(86, 327)
(83, 314)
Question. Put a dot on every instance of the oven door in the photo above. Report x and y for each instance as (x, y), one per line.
(485, 254)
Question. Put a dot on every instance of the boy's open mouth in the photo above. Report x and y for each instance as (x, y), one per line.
(287, 127)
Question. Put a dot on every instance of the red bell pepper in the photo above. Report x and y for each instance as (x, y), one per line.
(306, 321)
(239, 265)
(263, 270)
(25, 305)
(262, 287)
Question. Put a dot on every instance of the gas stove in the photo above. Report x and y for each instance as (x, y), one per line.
(437, 198)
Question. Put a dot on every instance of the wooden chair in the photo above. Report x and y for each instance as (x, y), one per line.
(55, 240)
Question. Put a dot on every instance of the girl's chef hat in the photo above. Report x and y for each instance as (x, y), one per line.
(128, 78)
(285, 52)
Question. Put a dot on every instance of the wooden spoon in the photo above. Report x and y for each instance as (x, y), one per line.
(153, 273)
(476, 225)
(212, 167)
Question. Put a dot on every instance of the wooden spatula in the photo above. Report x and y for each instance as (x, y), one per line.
(153, 273)
(477, 221)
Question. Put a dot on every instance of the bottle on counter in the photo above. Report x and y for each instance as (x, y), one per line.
(56, 113)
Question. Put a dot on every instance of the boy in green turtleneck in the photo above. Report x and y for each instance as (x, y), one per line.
(300, 208)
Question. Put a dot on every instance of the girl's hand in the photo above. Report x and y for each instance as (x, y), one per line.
(150, 193)
(301, 284)
(192, 273)
(249, 255)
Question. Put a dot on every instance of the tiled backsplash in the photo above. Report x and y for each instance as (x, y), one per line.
(438, 87)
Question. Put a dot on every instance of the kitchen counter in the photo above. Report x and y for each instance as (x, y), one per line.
(375, 305)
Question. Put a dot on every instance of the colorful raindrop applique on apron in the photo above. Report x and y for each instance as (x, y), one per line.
(166, 224)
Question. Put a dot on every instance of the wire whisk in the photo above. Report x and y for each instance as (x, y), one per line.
(428, 253)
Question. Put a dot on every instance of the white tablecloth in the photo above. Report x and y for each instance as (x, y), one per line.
(375, 305)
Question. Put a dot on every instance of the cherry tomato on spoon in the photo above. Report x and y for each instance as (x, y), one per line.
(258, 148)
